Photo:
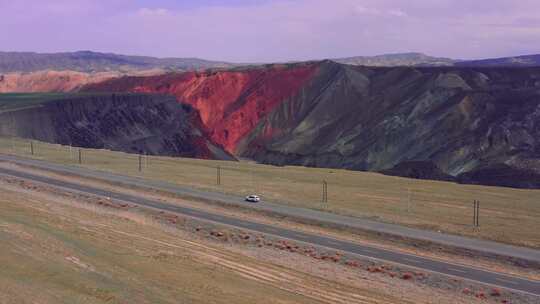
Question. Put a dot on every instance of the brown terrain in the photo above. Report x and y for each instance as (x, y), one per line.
(59, 81)
(50, 81)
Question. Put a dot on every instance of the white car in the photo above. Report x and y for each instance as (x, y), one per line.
(253, 198)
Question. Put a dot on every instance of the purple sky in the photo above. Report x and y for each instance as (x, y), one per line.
(279, 30)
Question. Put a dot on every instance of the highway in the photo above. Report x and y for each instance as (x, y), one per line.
(286, 210)
(465, 272)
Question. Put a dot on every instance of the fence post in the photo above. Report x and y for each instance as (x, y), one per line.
(140, 162)
(324, 191)
(80, 156)
(32, 147)
(218, 175)
(409, 201)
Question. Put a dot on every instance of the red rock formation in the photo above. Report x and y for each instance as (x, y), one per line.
(231, 103)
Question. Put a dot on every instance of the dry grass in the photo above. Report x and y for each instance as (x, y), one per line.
(55, 252)
(507, 215)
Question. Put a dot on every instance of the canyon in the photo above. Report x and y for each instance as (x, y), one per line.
(459, 120)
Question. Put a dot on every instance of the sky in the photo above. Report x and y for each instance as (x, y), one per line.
(272, 31)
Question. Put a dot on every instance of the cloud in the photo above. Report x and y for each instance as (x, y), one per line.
(152, 12)
(397, 13)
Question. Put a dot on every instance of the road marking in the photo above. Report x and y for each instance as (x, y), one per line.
(506, 281)
(457, 270)
(333, 242)
(271, 229)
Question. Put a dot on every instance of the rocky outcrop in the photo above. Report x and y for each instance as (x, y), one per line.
(134, 123)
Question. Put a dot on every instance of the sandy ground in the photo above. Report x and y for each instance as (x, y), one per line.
(294, 277)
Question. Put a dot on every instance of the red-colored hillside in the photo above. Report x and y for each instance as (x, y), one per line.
(231, 103)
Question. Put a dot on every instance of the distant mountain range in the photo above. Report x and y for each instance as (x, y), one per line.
(419, 59)
(87, 61)
(93, 62)
(401, 59)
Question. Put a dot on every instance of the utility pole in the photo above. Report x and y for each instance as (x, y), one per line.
(476, 219)
(477, 213)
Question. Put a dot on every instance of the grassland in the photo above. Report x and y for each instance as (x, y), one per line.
(53, 258)
(63, 250)
(11, 101)
(507, 215)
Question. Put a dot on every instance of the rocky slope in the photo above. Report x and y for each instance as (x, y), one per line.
(460, 119)
(448, 121)
(135, 123)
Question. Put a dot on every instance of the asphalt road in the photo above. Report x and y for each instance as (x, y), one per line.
(284, 209)
(464, 272)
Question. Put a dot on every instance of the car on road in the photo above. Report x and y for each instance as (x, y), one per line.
(253, 198)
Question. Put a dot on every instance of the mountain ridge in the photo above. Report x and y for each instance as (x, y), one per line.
(95, 62)
(89, 61)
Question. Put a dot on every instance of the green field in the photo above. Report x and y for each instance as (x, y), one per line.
(506, 215)
(14, 101)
